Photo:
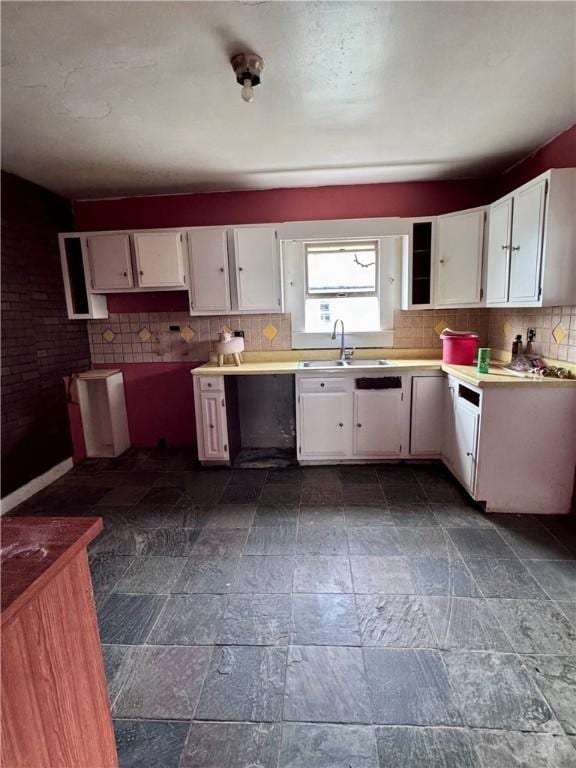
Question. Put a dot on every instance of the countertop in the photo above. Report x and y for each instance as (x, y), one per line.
(34, 550)
(497, 376)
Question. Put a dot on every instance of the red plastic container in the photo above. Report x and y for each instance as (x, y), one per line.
(458, 348)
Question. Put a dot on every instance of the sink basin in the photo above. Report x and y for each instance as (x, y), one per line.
(367, 363)
(321, 364)
(343, 363)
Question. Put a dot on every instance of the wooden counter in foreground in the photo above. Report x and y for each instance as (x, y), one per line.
(55, 711)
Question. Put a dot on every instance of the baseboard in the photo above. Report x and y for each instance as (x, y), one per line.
(35, 485)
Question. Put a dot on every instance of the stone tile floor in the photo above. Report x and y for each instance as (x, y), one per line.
(353, 617)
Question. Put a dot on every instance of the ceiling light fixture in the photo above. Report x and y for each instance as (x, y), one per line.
(247, 67)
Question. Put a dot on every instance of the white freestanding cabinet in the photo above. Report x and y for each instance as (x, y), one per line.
(378, 428)
(531, 243)
(159, 259)
(427, 415)
(103, 412)
(209, 282)
(256, 270)
(460, 238)
(110, 262)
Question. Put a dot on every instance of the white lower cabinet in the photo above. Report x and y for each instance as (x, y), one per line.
(427, 415)
(211, 418)
(337, 420)
(378, 427)
(461, 429)
(326, 419)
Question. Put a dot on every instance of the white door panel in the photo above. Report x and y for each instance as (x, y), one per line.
(499, 244)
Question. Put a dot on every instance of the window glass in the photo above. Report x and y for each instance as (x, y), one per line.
(341, 268)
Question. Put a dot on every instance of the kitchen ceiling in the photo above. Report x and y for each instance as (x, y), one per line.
(114, 98)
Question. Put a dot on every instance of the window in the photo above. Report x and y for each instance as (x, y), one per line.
(341, 281)
(347, 270)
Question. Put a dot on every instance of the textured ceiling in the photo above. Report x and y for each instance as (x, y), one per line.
(103, 99)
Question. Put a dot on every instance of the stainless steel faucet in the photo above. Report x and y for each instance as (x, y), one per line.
(345, 352)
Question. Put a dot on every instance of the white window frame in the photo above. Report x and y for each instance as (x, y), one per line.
(393, 241)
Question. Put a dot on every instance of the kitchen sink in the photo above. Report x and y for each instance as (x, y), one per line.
(321, 364)
(367, 363)
(343, 363)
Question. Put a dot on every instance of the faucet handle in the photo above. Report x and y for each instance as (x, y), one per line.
(349, 352)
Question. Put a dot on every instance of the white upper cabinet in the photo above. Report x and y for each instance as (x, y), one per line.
(110, 262)
(209, 283)
(257, 270)
(460, 238)
(499, 237)
(531, 243)
(159, 259)
(527, 241)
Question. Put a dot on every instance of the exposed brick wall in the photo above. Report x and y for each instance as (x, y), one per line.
(39, 344)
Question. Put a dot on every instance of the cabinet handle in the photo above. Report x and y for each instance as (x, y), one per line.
(322, 384)
(209, 384)
(506, 247)
(221, 269)
(441, 261)
(240, 269)
(469, 453)
(125, 274)
(211, 426)
(340, 424)
(515, 247)
(358, 425)
(141, 271)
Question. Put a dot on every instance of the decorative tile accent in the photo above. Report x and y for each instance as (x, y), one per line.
(439, 327)
(144, 335)
(187, 334)
(507, 328)
(559, 333)
(270, 332)
(109, 335)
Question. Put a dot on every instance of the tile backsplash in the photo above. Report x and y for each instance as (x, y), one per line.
(144, 337)
(555, 330)
(422, 329)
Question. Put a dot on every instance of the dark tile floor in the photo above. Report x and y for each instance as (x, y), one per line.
(354, 617)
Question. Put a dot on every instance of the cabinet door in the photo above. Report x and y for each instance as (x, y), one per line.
(459, 258)
(427, 415)
(159, 259)
(257, 271)
(448, 440)
(378, 422)
(110, 263)
(466, 420)
(527, 239)
(499, 237)
(325, 425)
(214, 430)
(209, 285)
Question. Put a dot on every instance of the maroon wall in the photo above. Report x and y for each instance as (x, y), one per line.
(39, 344)
(159, 402)
(422, 198)
(558, 153)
